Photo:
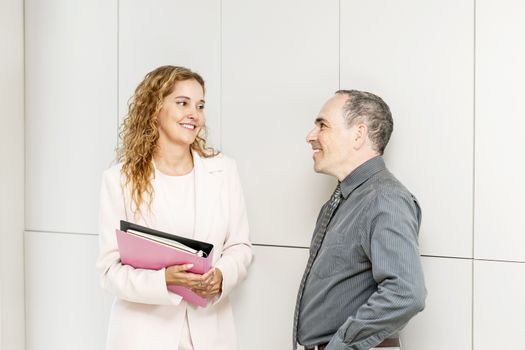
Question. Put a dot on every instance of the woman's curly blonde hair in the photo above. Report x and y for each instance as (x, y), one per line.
(139, 132)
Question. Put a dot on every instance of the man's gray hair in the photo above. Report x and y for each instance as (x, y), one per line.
(365, 107)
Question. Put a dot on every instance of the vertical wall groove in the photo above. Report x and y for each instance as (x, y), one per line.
(473, 173)
(24, 175)
(118, 74)
(220, 75)
(339, 48)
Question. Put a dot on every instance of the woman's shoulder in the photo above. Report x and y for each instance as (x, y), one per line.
(113, 172)
(219, 160)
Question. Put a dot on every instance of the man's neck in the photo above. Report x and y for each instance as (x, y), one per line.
(353, 164)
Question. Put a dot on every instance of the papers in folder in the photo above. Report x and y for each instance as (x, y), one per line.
(145, 248)
(168, 242)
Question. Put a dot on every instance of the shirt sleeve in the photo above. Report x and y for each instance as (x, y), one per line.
(237, 250)
(125, 282)
(390, 241)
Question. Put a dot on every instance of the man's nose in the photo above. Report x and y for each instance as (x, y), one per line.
(312, 135)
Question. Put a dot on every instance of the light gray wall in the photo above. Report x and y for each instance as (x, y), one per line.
(450, 69)
(11, 174)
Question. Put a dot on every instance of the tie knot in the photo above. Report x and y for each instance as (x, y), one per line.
(337, 192)
(336, 197)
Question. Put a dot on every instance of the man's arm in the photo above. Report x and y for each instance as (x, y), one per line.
(390, 242)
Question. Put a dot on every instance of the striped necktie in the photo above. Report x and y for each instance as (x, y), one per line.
(314, 249)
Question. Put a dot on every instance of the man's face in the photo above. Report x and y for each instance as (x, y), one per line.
(331, 139)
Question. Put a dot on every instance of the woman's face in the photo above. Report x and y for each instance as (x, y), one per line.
(182, 114)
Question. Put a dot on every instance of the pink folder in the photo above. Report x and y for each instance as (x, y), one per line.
(142, 253)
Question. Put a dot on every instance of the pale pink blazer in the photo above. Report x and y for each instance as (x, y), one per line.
(145, 315)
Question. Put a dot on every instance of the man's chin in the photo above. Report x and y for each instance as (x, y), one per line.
(318, 168)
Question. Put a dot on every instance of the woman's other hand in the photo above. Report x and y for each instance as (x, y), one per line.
(213, 287)
(179, 275)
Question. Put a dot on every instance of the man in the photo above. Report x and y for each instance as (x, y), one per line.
(363, 280)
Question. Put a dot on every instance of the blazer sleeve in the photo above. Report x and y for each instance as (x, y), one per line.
(237, 250)
(124, 281)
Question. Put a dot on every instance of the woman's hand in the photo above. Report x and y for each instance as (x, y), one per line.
(178, 275)
(211, 288)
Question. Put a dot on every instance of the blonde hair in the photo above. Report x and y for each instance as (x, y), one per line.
(139, 131)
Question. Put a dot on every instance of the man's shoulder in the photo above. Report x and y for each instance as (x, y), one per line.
(385, 184)
(386, 193)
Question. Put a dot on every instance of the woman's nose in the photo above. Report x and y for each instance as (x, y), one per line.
(193, 113)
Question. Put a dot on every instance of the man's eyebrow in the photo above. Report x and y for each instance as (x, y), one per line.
(320, 120)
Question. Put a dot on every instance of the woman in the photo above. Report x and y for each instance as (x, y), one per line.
(168, 180)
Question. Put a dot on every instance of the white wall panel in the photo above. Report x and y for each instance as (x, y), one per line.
(65, 307)
(71, 106)
(446, 321)
(269, 66)
(500, 72)
(418, 56)
(264, 304)
(11, 175)
(279, 65)
(167, 32)
(499, 305)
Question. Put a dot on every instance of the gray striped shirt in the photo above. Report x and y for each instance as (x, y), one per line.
(366, 282)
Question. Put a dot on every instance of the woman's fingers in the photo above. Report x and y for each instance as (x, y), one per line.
(181, 268)
(212, 284)
(178, 275)
(206, 285)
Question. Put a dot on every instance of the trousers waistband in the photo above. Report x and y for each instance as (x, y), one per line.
(387, 343)
(317, 347)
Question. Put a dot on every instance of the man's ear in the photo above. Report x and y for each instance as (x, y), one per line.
(360, 135)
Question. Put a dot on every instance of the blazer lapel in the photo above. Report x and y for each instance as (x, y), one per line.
(207, 190)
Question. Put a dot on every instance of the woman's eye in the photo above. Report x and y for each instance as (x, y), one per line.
(200, 106)
(181, 103)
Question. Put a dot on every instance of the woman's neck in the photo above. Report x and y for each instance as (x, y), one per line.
(174, 161)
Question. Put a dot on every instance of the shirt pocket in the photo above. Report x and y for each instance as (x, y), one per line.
(330, 261)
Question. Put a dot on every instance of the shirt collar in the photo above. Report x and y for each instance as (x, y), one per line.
(361, 174)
